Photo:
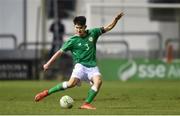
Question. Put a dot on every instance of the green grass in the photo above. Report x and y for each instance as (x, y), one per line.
(115, 97)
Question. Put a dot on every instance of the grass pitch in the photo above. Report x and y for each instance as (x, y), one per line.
(115, 98)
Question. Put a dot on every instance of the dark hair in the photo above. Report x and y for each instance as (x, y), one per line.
(80, 20)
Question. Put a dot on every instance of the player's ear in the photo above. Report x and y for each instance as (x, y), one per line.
(85, 26)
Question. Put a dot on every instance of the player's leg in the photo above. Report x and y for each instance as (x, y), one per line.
(97, 82)
(59, 87)
(64, 85)
(73, 81)
(95, 77)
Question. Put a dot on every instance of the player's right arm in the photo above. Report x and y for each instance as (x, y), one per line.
(52, 59)
(66, 46)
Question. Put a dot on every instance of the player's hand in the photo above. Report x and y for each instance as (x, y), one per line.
(45, 67)
(119, 16)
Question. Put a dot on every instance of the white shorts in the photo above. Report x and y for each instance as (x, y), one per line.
(85, 73)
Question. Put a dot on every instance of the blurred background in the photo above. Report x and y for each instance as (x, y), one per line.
(145, 44)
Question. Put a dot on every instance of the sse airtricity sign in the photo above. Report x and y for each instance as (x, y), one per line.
(149, 69)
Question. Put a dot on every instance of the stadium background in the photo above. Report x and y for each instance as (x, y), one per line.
(143, 49)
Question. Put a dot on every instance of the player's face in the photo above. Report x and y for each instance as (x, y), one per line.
(80, 30)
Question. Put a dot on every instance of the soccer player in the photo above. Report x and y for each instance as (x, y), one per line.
(83, 48)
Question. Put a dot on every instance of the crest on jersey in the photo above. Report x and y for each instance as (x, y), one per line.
(90, 39)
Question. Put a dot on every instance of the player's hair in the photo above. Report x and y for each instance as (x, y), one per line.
(80, 20)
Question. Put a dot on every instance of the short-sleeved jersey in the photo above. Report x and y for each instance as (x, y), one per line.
(83, 49)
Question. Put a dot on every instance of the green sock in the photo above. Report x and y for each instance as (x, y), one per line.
(91, 96)
(56, 88)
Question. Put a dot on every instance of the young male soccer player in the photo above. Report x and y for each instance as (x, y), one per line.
(83, 48)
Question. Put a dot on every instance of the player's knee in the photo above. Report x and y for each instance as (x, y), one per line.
(72, 83)
(98, 82)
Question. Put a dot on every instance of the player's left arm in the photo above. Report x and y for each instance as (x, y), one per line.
(113, 23)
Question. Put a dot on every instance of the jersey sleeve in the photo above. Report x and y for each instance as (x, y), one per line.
(97, 32)
(67, 45)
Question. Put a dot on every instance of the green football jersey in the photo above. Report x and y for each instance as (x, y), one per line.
(83, 49)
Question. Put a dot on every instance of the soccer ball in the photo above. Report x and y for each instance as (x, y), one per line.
(66, 101)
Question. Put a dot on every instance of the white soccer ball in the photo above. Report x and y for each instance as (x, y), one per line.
(66, 101)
